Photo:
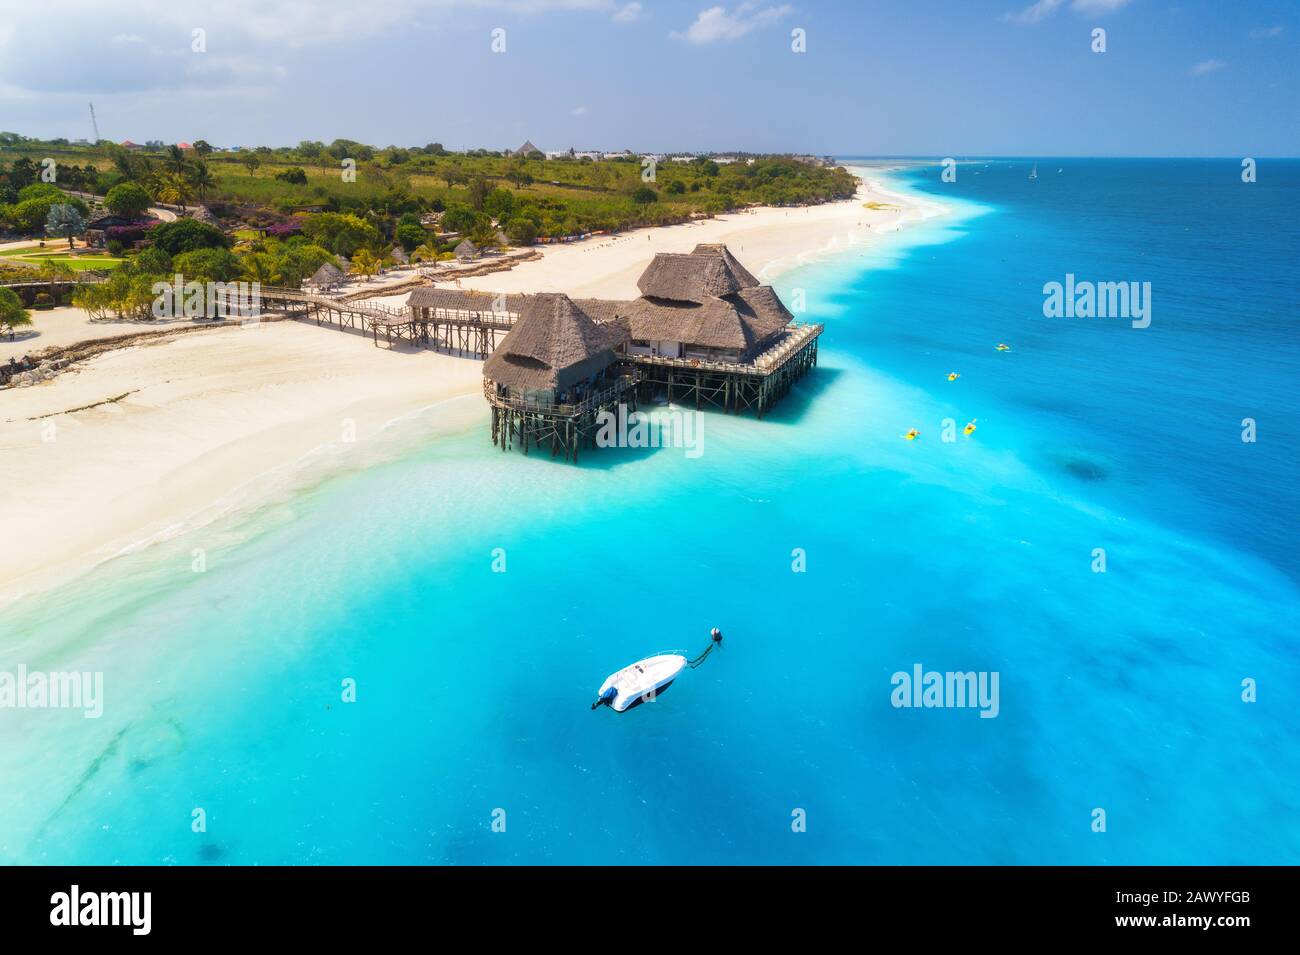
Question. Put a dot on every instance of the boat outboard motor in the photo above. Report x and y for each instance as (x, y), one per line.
(606, 698)
(716, 634)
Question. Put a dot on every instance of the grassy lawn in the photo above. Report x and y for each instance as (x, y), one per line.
(37, 255)
(83, 263)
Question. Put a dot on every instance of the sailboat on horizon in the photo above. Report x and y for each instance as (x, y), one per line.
(1033, 173)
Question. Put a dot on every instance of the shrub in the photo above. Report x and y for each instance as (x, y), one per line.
(127, 234)
(410, 236)
(187, 235)
(127, 199)
(282, 230)
(340, 232)
(521, 232)
(207, 265)
(44, 301)
(154, 261)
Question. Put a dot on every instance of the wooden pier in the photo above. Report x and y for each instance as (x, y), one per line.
(564, 428)
(357, 316)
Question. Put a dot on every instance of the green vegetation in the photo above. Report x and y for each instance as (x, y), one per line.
(284, 212)
(187, 235)
(65, 222)
(127, 199)
(559, 197)
(12, 312)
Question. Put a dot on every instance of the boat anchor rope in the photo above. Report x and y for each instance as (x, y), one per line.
(716, 634)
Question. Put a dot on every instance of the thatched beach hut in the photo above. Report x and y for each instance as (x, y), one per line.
(466, 251)
(554, 354)
(326, 277)
(704, 305)
(553, 375)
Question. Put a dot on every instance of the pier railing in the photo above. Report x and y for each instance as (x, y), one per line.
(374, 312)
(798, 335)
(591, 402)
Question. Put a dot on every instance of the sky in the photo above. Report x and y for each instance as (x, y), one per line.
(876, 77)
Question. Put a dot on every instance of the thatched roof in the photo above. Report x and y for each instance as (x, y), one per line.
(399, 255)
(713, 324)
(706, 298)
(463, 300)
(710, 271)
(327, 274)
(553, 346)
(466, 248)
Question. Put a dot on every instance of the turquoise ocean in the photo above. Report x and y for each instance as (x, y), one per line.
(1120, 691)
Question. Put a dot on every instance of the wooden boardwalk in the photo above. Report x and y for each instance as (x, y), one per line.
(357, 315)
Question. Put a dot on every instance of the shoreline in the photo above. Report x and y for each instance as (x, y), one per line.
(229, 415)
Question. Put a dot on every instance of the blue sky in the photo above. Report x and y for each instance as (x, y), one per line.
(881, 77)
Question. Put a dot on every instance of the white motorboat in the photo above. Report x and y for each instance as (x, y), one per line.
(643, 680)
(646, 679)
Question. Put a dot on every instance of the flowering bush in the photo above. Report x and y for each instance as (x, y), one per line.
(282, 230)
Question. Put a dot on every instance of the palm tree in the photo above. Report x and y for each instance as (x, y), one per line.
(427, 252)
(365, 262)
(57, 273)
(261, 267)
(201, 178)
(176, 160)
(174, 189)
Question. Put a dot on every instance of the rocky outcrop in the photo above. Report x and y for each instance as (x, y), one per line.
(23, 375)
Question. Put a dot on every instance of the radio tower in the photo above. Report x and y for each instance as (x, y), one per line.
(94, 122)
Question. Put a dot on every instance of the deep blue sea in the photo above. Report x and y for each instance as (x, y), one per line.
(1119, 691)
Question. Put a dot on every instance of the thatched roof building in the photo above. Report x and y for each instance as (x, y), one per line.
(466, 250)
(398, 255)
(326, 276)
(702, 305)
(553, 351)
(710, 271)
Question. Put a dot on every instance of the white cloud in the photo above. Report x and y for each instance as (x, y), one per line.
(243, 36)
(629, 13)
(294, 23)
(1037, 12)
(1208, 66)
(578, 111)
(1266, 33)
(1098, 6)
(717, 24)
(1034, 12)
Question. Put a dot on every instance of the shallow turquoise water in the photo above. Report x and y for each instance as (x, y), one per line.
(1118, 691)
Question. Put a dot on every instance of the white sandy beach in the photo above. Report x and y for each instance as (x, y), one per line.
(181, 423)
